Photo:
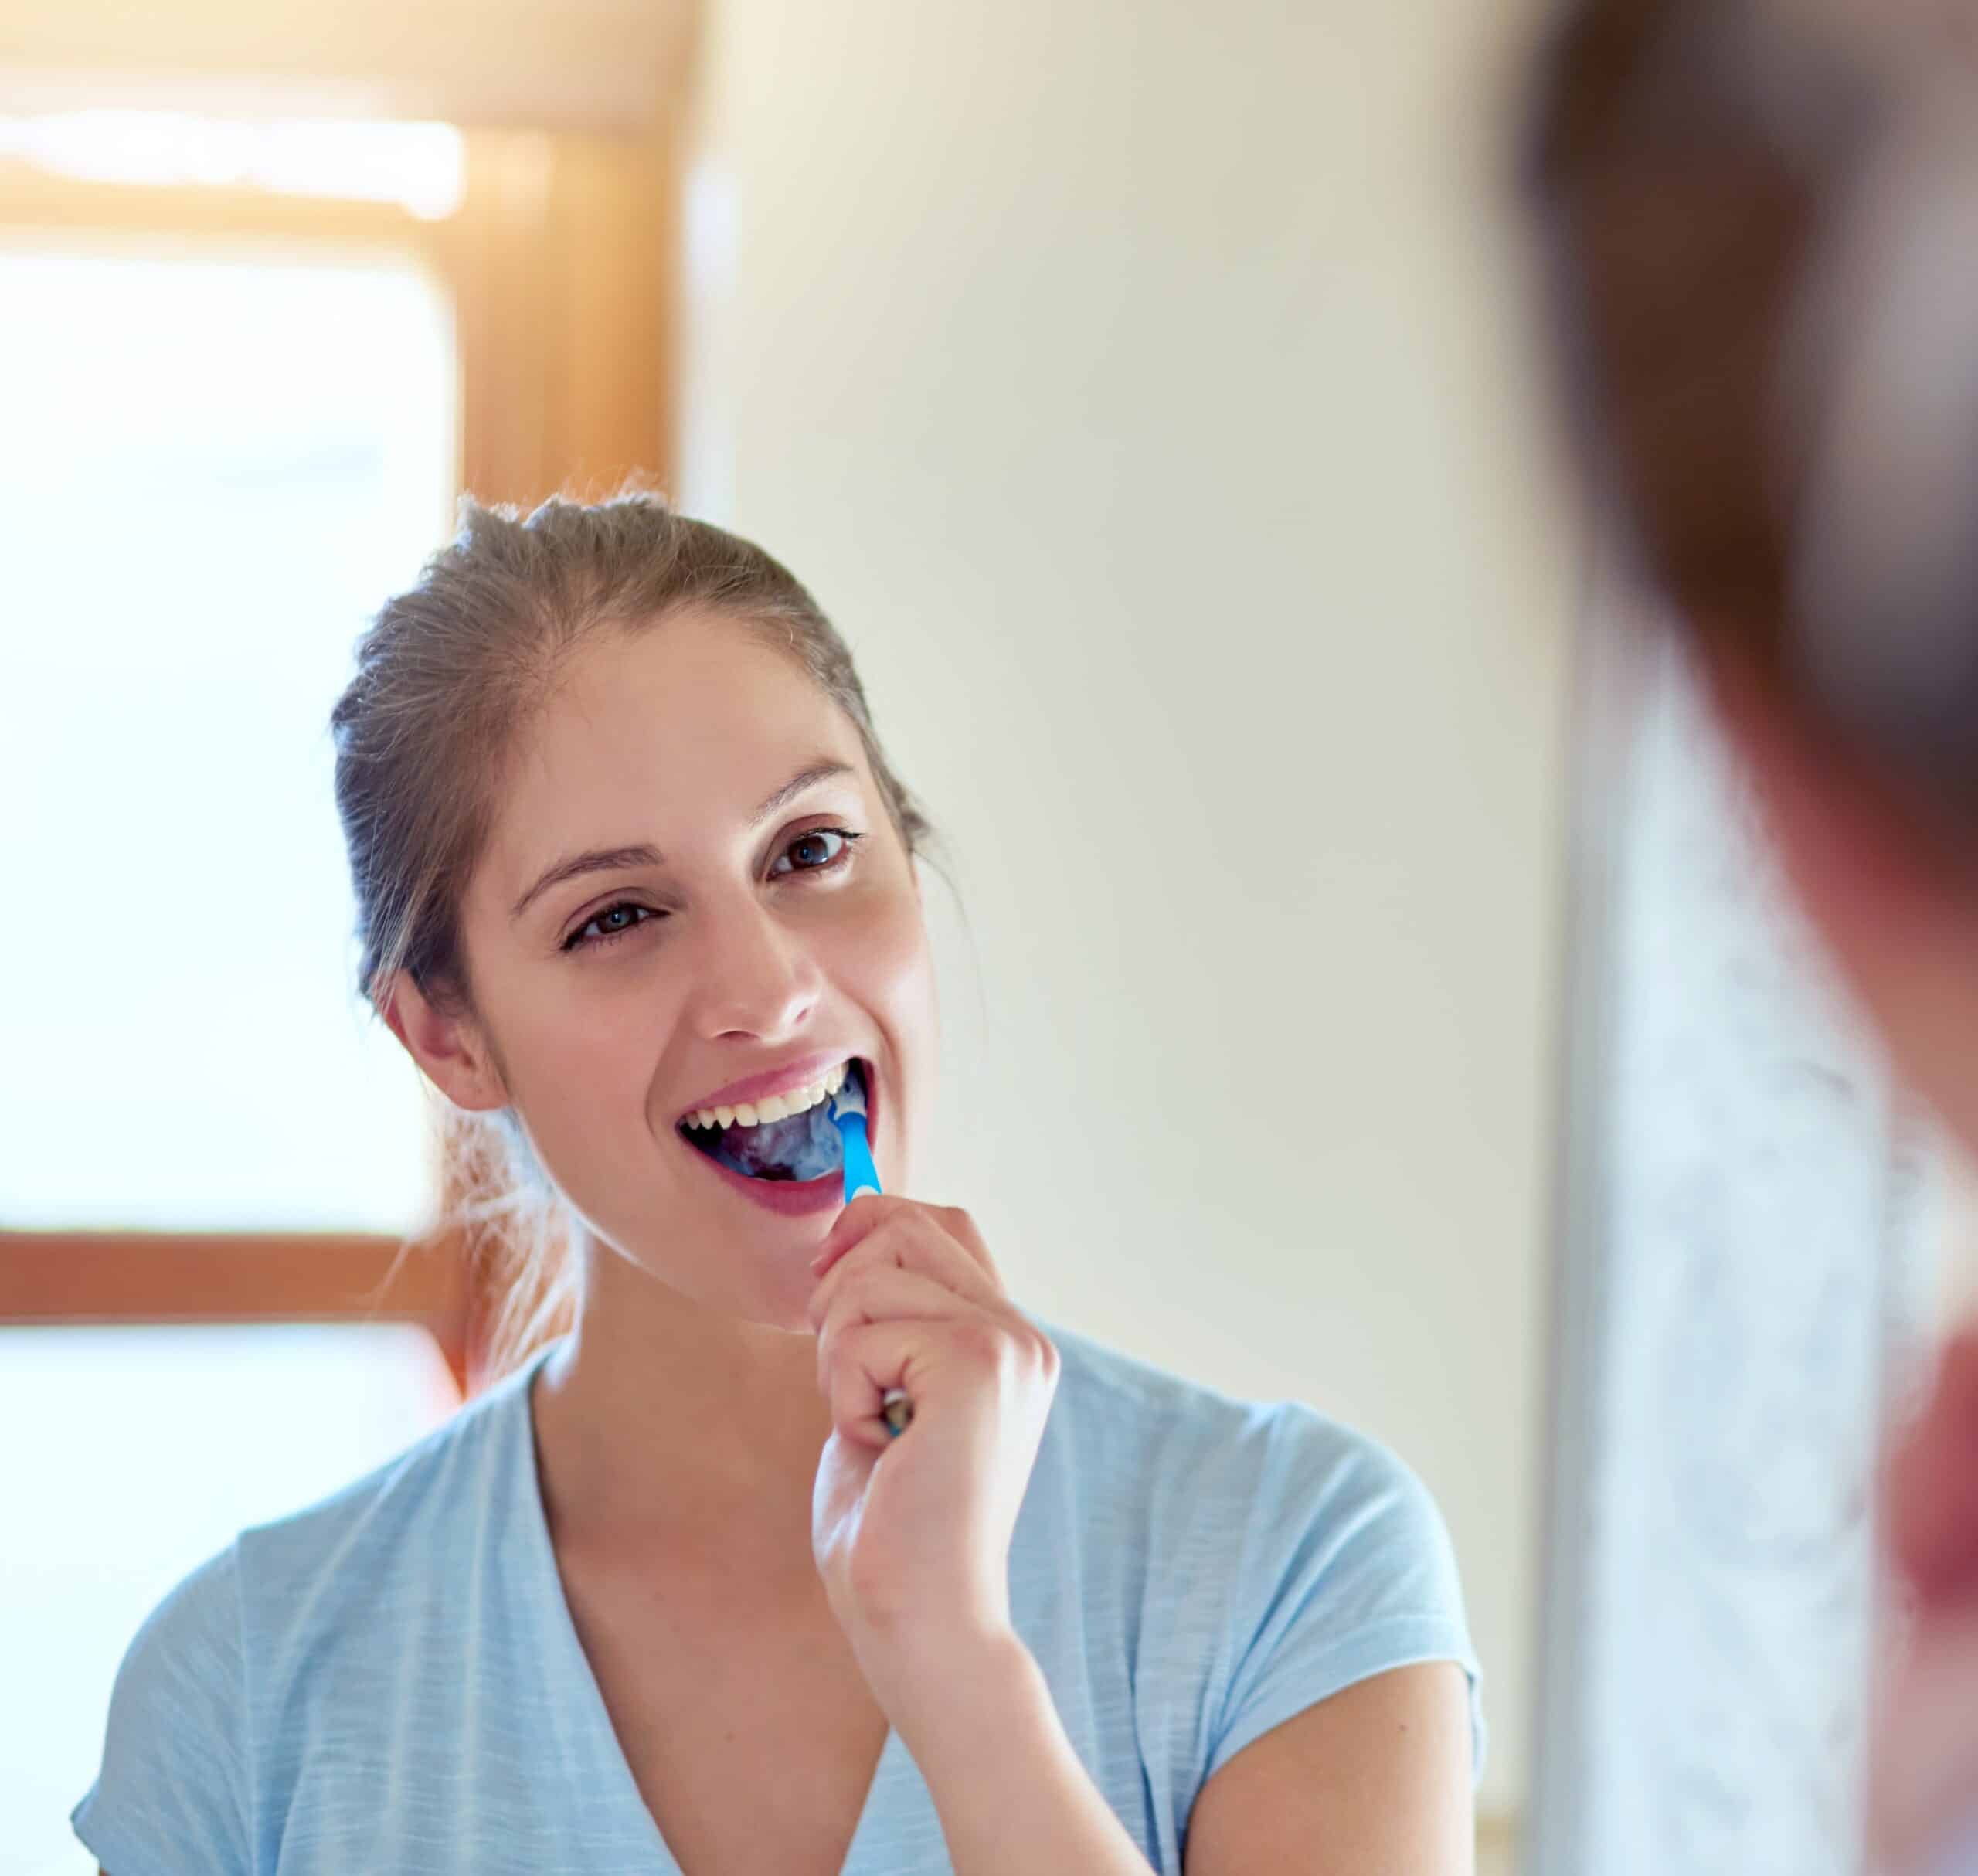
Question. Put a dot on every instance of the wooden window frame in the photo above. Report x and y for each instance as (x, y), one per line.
(561, 263)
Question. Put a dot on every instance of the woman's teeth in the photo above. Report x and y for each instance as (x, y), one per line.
(777, 1107)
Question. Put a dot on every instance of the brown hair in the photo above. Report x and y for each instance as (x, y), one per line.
(1728, 245)
(449, 675)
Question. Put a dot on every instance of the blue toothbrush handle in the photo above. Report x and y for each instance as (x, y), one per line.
(861, 1175)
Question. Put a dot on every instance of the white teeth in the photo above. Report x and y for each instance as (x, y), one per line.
(777, 1107)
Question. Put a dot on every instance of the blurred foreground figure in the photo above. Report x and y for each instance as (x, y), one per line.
(1760, 221)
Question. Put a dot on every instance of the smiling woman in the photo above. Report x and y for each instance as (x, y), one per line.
(536, 636)
(638, 891)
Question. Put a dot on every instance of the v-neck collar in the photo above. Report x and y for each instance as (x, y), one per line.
(896, 1783)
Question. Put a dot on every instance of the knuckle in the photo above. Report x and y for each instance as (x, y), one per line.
(870, 1250)
(865, 1290)
(985, 1339)
(845, 1282)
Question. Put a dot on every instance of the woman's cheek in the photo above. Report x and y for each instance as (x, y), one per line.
(593, 1090)
(894, 982)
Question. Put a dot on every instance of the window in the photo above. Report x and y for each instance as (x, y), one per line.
(217, 466)
(240, 388)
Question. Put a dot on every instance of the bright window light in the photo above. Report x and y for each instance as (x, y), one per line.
(215, 469)
(418, 165)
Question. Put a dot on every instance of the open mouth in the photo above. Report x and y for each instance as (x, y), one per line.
(789, 1138)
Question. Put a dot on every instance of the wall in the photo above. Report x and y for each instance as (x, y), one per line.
(1145, 390)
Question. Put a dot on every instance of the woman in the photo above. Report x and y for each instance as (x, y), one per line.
(635, 881)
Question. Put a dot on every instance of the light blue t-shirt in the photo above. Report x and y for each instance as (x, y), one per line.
(390, 1681)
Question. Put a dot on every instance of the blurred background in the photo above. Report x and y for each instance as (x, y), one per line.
(1147, 392)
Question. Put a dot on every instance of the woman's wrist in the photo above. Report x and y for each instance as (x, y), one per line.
(947, 1696)
(1006, 1781)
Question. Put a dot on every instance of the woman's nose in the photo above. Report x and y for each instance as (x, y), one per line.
(754, 977)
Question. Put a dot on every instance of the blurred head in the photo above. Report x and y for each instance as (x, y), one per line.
(1761, 226)
(622, 836)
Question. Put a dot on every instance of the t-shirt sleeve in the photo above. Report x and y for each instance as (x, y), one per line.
(172, 1793)
(1345, 1571)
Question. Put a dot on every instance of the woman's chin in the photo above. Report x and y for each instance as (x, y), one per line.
(775, 1248)
(783, 1290)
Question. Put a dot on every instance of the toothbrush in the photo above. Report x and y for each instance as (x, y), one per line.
(861, 1175)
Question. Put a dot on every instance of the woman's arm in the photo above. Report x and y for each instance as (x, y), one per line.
(1008, 1787)
(1377, 1777)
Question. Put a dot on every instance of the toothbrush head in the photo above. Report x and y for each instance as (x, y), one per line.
(849, 1099)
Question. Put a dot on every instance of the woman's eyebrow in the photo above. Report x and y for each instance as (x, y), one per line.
(622, 859)
(598, 860)
(819, 771)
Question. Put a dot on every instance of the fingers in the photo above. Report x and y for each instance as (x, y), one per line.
(866, 1360)
(960, 1227)
(870, 1211)
(864, 1216)
(881, 1293)
(902, 1267)
(940, 1240)
(1005, 1359)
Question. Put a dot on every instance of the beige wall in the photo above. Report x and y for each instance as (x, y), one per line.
(1144, 389)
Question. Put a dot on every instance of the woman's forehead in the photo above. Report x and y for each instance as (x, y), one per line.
(693, 685)
(692, 719)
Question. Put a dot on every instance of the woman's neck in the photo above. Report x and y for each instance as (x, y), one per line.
(660, 1422)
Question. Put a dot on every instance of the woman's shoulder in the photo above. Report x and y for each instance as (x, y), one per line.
(466, 1458)
(1262, 1554)
(1241, 1510)
(175, 1766)
(309, 1613)
(400, 1520)
(1154, 1427)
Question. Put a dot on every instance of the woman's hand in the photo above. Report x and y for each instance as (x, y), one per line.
(912, 1534)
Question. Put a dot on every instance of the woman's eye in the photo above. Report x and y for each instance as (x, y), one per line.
(818, 850)
(815, 851)
(613, 922)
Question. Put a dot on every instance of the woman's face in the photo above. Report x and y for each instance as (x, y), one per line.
(756, 926)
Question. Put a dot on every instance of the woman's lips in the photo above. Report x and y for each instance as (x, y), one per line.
(791, 1197)
(787, 1080)
(798, 1197)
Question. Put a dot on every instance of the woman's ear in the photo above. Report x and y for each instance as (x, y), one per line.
(449, 1050)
